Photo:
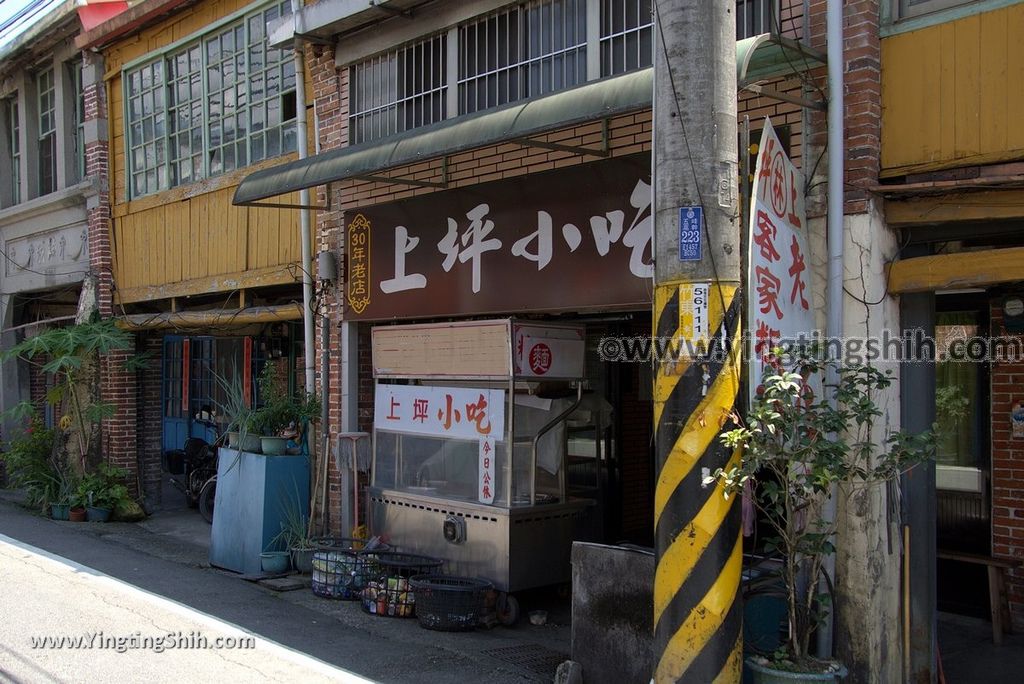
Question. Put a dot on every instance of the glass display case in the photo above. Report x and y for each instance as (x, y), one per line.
(470, 446)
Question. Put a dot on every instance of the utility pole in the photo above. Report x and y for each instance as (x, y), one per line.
(697, 607)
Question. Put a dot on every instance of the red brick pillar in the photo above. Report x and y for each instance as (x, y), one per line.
(1007, 483)
(117, 386)
(330, 98)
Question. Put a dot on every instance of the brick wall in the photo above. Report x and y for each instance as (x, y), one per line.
(862, 94)
(118, 385)
(149, 420)
(1007, 380)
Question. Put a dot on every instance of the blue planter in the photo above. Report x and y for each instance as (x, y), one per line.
(60, 511)
(93, 514)
(763, 674)
(274, 562)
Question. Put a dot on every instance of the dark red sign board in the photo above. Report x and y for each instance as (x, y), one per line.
(571, 239)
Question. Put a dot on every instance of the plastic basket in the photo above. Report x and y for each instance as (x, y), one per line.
(342, 568)
(391, 594)
(447, 603)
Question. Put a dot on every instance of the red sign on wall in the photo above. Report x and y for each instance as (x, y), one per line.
(570, 239)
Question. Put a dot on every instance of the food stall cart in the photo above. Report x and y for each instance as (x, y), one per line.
(469, 445)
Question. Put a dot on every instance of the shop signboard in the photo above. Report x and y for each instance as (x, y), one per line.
(571, 239)
(548, 352)
(459, 412)
(779, 276)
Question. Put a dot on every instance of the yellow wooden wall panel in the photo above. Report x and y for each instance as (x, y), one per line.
(945, 81)
(194, 237)
(952, 94)
(992, 111)
(1015, 78)
(966, 71)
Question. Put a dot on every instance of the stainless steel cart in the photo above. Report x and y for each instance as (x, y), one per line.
(447, 398)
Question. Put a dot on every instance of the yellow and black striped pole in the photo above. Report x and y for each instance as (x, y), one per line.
(697, 303)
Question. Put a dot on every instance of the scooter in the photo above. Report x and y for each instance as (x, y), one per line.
(193, 470)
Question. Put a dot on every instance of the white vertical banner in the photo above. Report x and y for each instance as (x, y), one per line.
(485, 491)
(779, 276)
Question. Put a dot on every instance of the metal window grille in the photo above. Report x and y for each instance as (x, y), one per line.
(527, 50)
(227, 101)
(47, 140)
(398, 90)
(754, 17)
(12, 127)
(627, 36)
(77, 115)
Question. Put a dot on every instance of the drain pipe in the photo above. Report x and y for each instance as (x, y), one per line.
(835, 237)
(302, 146)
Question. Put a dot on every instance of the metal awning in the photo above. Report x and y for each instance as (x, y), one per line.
(758, 58)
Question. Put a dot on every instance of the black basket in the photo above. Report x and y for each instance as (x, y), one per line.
(449, 604)
(342, 567)
(391, 594)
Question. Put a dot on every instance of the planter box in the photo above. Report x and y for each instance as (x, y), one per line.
(253, 492)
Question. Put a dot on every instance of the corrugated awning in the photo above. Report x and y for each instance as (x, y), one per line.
(758, 58)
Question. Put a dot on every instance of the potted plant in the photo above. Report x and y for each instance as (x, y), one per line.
(295, 534)
(798, 446)
(242, 431)
(102, 490)
(77, 502)
(66, 483)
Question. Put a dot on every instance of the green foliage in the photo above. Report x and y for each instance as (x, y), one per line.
(798, 445)
(103, 488)
(280, 409)
(294, 532)
(66, 354)
(34, 464)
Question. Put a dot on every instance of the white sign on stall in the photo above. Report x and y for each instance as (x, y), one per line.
(460, 412)
(486, 471)
(779, 276)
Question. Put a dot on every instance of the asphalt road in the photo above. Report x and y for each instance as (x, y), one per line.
(65, 622)
(121, 580)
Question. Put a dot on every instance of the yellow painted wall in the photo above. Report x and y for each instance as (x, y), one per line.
(952, 94)
(190, 239)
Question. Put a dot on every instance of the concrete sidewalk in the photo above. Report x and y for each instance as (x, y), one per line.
(164, 555)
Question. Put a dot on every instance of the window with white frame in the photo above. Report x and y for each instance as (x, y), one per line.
(398, 90)
(146, 129)
(524, 51)
(627, 35)
(12, 133)
(77, 115)
(46, 131)
(219, 103)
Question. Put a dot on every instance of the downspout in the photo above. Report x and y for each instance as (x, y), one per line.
(835, 237)
(302, 145)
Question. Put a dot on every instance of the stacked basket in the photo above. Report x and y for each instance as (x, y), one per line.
(391, 593)
(447, 603)
(343, 567)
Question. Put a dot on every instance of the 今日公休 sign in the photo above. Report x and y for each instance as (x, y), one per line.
(459, 412)
(779, 277)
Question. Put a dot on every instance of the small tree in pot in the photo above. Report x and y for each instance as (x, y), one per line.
(797, 447)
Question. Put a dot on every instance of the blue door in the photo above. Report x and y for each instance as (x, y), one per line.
(175, 415)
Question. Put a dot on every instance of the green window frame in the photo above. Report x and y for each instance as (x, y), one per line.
(77, 115)
(12, 128)
(47, 131)
(216, 102)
